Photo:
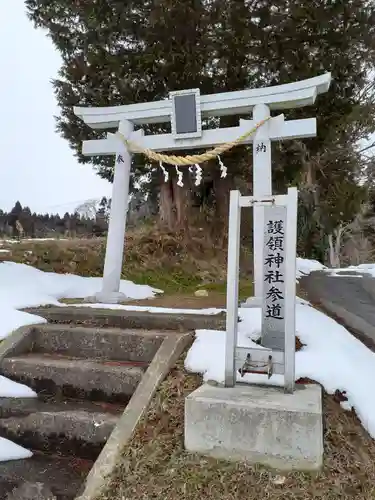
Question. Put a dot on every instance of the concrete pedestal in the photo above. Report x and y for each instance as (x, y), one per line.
(257, 424)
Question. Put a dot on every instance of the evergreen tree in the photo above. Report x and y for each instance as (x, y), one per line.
(14, 215)
(142, 51)
(42, 225)
(136, 51)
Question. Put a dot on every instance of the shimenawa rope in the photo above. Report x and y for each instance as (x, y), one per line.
(190, 159)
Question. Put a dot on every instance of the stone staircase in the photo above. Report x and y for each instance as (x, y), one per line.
(84, 377)
(84, 366)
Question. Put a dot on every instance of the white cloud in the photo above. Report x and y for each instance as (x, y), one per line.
(37, 166)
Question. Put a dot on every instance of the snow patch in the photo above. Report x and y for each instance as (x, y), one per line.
(11, 319)
(306, 266)
(12, 451)
(158, 310)
(360, 269)
(25, 286)
(31, 240)
(10, 389)
(331, 356)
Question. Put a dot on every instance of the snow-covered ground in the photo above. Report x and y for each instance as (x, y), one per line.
(360, 269)
(25, 286)
(330, 355)
(307, 266)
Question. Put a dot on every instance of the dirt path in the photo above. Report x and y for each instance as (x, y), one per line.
(175, 301)
(214, 299)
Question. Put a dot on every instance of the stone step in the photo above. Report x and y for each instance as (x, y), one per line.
(61, 429)
(119, 318)
(18, 407)
(74, 377)
(64, 476)
(105, 343)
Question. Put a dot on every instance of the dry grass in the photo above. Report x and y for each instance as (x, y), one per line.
(155, 465)
(165, 260)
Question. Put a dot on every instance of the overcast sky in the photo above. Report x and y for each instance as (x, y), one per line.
(37, 166)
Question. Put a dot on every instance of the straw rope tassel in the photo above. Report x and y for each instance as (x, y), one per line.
(190, 159)
(166, 176)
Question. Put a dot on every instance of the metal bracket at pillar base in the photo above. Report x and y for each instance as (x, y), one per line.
(109, 297)
(259, 360)
(253, 367)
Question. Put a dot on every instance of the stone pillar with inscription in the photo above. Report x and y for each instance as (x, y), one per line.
(273, 300)
(279, 239)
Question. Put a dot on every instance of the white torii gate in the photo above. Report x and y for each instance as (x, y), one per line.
(185, 110)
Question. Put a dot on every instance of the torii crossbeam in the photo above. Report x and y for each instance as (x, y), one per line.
(185, 111)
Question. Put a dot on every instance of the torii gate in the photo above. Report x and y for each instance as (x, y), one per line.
(185, 110)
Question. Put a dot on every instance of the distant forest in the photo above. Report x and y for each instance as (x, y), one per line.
(21, 222)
